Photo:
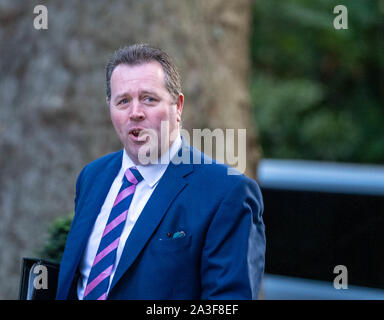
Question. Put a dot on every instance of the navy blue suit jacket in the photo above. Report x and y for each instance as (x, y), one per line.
(221, 255)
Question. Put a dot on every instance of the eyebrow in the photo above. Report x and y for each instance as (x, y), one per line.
(124, 94)
(148, 92)
(119, 96)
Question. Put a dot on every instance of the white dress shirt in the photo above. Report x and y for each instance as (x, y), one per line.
(151, 174)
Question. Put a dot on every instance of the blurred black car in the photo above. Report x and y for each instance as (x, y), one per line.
(319, 215)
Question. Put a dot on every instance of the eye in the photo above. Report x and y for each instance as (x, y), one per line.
(149, 99)
(123, 101)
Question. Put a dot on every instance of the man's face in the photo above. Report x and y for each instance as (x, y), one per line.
(139, 102)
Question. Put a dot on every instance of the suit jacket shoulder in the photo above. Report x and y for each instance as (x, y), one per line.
(220, 176)
(96, 166)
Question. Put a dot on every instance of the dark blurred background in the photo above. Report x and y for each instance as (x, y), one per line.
(301, 88)
(318, 92)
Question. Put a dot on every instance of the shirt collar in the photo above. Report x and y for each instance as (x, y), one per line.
(153, 172)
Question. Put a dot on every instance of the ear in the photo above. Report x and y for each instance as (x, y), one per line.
(179, 106)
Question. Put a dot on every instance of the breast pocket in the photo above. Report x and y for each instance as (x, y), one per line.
(171, 245)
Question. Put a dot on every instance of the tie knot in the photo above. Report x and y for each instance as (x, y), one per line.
(133, 175)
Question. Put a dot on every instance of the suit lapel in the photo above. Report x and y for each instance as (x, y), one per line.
(91, 208)
(170, 185)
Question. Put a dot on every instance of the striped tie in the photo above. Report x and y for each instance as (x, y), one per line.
(99, 277)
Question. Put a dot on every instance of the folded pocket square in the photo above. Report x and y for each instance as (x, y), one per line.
(178, 234)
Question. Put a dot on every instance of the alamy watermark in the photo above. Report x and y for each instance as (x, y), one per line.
(41, 279)
(221, 142)
(341, 20)
(41, 20)
(341, 280)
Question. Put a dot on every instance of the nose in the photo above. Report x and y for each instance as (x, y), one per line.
(137, 113)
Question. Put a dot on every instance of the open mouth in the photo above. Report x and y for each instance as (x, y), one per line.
(134, 133)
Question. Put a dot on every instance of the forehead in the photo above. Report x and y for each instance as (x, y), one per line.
(143, 76)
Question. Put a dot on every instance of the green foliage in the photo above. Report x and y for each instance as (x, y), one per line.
(54, 246)
(317, 92)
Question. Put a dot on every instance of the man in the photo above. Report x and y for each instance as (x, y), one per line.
(164, 229)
